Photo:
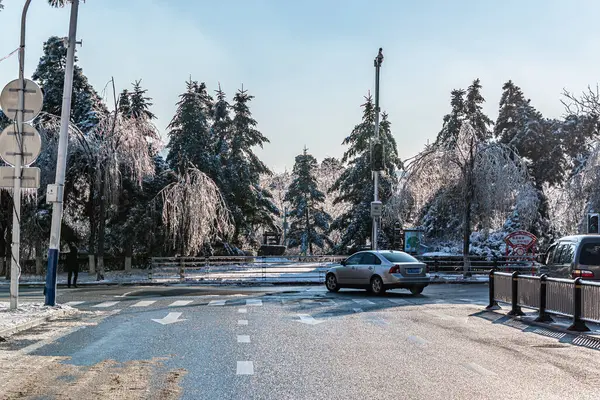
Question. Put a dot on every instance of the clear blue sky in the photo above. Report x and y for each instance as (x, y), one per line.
(309, 63)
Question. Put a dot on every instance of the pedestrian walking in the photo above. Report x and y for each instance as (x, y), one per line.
(72, 265)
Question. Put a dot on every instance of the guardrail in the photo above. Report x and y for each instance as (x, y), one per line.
(480, 264)
(576, 298)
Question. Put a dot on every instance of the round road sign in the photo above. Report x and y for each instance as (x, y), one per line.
(9, 100)
(10, 149)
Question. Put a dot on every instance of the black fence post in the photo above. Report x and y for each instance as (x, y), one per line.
(493, 303)
(516, 309)
(578, 325)
(544, 316)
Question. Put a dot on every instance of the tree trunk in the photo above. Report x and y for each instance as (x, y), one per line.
(39, 257)
(128, 255)
(470, 193)
(101, 234)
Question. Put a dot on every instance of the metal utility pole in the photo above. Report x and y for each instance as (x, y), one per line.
(55, 192)
(15, 268)
(376, 207)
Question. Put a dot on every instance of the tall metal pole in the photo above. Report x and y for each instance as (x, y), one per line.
(378, 61)
(61, 162)
(15, 268)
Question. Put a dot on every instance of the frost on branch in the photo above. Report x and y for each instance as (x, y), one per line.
(194, 212)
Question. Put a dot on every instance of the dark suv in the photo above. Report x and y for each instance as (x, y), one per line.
(573, 257)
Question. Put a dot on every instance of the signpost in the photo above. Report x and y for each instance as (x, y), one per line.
(520, 245)
(13, 144)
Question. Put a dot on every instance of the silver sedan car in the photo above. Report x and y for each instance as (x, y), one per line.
(378, 271)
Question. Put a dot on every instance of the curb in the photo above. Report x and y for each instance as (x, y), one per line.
(6, 333)
(556, 328)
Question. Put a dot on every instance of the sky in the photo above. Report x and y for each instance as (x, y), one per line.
(309, 63)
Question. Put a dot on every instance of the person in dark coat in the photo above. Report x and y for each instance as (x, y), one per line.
(72, 265)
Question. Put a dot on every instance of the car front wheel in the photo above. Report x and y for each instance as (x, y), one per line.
(331, 283)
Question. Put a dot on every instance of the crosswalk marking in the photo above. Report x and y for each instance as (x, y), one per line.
(144, 303)
(243, 339)
(398, 301)
(217, 303)
(254, 302)
(242, 322)
(362, 301)
(245, 368)
(74, 303)
(357, 310)
(180, 303)
(243, 310)
(106, 304)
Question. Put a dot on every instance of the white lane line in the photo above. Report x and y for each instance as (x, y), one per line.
(362, 301)
(479, 369)
(439, 301)
(417, 340)
(398, 301)
(357, 309)
(245, 368)
(243, 310)
(126, 294)
(254, 302)
(180, 303)
(242, 322)
(217, 302)
(243, 338)
(144, 303)
(467, 300)
(106, 304)
(74, 303)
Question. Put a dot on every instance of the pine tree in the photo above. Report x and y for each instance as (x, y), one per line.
(453, 121)
(474, 112)
(125, 103)
(140, 103)
(250, 204)
(309, 222)
(86, 106)
(355, 185)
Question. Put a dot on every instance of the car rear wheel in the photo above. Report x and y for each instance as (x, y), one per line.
(416, 290)
(331, 283)
(376, 286)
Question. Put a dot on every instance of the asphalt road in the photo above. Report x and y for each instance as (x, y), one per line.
(304, 343)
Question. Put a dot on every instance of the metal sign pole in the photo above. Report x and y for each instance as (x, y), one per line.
(61, 162)
(378, 61)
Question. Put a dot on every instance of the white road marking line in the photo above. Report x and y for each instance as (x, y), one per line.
(74, 303)
(243, 338)
(417, 340)
(254, 302)
(243, 310)
(362, 301)
(180, 303)
(308, 319)
(439, 301)
(479, 369)
(467, 300)
(398, 301)
(245, 368)
(217, 302)
(242, 322)
(106, 304)
(144, 303)
(357, 309)
(126, 294)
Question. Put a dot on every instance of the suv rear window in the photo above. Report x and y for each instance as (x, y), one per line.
(398, 257)
(590, 254)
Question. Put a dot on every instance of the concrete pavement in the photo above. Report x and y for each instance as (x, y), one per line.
(306, 343)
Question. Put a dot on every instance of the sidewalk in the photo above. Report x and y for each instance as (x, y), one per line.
(28, 315)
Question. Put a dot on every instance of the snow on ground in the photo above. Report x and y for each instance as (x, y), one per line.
(28, 312)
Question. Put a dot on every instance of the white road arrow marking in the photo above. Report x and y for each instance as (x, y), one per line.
(307, 319)
(171, 318)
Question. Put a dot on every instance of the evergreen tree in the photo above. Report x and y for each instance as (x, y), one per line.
(125, 103)
(86, 106)
(309, 222)
(355, 185)
(140, 103)
(453, 121)
(474, 112)
(250, 204)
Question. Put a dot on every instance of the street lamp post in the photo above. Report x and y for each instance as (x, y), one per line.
(61, 162)
(376, 215)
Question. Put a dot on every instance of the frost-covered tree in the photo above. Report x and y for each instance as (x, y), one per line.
(309, 222)
(355, 186)
(328, 173)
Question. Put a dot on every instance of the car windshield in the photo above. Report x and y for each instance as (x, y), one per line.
(399, 257)
(590, 254)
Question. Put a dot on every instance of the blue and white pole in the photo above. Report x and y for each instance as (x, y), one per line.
(61, 162)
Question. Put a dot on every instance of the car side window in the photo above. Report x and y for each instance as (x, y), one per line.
(550, 254)
(370, 259)
(566, 256)
(557, 254)
(355, 259)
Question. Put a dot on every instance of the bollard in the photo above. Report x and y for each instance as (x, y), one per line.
(578, 325)
(493, 303)
(543, 316)
(516, 309)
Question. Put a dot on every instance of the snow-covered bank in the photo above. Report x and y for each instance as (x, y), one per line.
(28, 315)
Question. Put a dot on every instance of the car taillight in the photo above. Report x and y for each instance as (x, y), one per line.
(582, 273)
(395, 269)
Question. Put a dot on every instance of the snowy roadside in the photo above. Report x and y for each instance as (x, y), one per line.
(28, 315)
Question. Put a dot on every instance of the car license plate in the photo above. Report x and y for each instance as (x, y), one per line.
(413, 270)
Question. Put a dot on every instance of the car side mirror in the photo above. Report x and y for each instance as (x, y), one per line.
(343, 262)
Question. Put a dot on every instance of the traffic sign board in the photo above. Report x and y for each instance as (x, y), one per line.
(376, 209)
(9, 100)
(10, 149)
(30, 177)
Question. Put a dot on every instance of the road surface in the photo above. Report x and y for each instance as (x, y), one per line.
(292, 343)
